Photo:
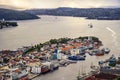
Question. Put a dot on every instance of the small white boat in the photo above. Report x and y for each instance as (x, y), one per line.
(106, 50)
(90, 25)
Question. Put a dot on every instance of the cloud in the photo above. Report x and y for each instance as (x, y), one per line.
(60, 3)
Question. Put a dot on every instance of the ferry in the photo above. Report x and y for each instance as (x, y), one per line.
(77, 57)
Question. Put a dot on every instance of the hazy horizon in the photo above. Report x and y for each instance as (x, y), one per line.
(30, 4)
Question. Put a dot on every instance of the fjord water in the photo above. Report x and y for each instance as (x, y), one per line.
(35, 31)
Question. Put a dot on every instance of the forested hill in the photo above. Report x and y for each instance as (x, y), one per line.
(9, 14)
(90, 13)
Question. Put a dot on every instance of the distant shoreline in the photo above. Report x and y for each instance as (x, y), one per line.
(89, 13)
(78, 17)
(9, 14)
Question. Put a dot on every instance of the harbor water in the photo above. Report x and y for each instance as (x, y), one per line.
(32, 32)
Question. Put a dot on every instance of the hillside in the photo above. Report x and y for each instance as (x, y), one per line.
(89, 13)
(9, 14)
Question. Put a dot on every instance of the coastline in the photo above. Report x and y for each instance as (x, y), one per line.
(39, 58)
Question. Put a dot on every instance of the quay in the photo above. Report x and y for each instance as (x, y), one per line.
(32, 76)
(4, 24)
(108, 69)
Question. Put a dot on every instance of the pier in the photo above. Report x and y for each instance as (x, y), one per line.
(4, 24)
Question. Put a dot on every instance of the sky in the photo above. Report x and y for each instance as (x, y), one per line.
(27, 4)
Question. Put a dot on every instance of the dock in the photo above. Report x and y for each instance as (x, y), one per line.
(32, 76)
(4, 24)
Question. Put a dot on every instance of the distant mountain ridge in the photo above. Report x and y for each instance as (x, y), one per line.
(9, 14)
(89, 13)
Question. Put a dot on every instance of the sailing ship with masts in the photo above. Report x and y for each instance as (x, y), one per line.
(81, 73)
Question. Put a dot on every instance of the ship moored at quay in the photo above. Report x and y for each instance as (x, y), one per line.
(6, 24)
(108, 69)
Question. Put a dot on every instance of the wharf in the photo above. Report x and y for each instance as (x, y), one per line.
(32, 76)
(4, 24)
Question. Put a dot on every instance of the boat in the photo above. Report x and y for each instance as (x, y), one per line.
(101, 76)
(49, 66)
(77, 57)
(63, 63)
(99, 54)
(44, 69)
(92, 53)
(106, 50)
(101, 62)
(82, 52)
(90, 25)
(79, 78)
(81, 73)
(54, 66)
(93, 67)
(112, 67)
(90, 47)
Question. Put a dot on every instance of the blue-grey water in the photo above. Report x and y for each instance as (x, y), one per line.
(35, 31)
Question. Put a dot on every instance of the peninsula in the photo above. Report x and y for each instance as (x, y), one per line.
(9, 14)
